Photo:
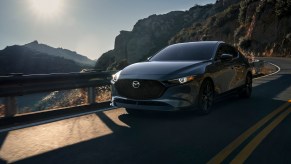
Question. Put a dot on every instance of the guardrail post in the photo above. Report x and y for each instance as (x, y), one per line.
(10, 106)
(91, 96)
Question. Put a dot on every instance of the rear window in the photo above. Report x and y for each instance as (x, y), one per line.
(186, 52)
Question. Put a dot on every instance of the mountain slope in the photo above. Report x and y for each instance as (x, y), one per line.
(60, 52)
(20, 59)
(257, 27)
(153, 33)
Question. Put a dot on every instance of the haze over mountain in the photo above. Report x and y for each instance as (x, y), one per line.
(60, 52)
(256, 27)
(35, 58)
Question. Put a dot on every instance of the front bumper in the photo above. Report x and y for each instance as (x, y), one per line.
(175, 97)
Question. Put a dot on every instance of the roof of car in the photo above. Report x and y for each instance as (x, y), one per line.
(202, 42)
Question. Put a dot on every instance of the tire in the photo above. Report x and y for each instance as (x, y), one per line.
(205, 97)
(247, 91)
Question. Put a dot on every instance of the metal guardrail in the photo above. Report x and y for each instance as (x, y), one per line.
(18, 85)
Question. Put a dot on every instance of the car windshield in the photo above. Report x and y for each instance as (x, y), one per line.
(186, 52)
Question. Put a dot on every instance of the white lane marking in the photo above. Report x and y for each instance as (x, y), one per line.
(279, 69)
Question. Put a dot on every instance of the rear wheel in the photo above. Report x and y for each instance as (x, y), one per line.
(205, 97)
(247, 91)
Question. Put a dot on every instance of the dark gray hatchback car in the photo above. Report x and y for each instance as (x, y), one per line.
(184, 76)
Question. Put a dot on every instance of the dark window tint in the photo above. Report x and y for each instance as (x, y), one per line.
(231, 50)
(242, 57)
(186, 52)
(226, 49)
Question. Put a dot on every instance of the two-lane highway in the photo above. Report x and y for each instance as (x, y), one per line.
(255, 130)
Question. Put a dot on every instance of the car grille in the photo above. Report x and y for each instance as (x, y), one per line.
(148, 89)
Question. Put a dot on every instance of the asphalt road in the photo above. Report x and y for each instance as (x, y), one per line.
(255, 130)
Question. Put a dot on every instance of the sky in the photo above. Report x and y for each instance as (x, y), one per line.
(88, 27)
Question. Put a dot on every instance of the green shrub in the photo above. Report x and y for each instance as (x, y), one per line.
(243, 11)
(229, 14)
(226, 30)
(283, 8)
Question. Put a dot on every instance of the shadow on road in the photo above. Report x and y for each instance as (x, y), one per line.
(182, 137)
(2, 161)
(2, 140)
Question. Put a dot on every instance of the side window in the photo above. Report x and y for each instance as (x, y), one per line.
(226, 49)
(222, 49)
(231, 50)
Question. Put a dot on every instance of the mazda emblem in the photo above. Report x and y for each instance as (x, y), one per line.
(135, 84)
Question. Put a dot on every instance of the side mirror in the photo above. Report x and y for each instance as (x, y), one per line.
(226, 57)
(149, 58)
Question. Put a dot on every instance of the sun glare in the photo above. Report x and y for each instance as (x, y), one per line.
(47, 8)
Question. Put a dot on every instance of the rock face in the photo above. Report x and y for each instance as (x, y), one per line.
(61, 99)
(257, 27)
(151, 34)
(220, 26)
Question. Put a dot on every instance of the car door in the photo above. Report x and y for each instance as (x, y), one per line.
(225, 72)
(238, 66)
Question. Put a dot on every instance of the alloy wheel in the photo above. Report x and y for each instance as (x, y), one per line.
(206, 97)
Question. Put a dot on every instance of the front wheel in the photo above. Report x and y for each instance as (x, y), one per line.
(247, 91)
(205, 97)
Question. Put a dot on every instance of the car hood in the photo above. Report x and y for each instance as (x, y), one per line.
(162, 70)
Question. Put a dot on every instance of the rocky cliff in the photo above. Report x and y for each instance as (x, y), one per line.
(257, 27)
(151, 34)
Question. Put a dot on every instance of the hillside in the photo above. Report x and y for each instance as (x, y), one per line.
(60, 52)
(20, 59)
(257, 27)
(151, 34)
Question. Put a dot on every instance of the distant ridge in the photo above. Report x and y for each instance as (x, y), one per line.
(60, 52)
(35, 58)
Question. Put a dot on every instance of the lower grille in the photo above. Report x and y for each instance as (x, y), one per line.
(139, 89)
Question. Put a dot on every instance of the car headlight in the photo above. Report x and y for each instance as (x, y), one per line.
(115, 77)
(182, 80)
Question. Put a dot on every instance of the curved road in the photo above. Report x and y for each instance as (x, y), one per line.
(255, 130)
